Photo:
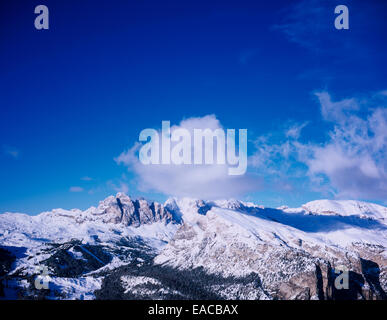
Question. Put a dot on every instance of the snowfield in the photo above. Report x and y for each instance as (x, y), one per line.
(284, 248)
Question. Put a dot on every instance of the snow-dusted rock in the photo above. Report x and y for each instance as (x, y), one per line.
(346, 208)
(287, 250)
(246, 251)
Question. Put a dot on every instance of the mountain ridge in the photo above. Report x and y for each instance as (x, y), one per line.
(315, 206)
(291, 252)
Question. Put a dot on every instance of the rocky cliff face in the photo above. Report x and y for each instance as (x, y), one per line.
(121, 209)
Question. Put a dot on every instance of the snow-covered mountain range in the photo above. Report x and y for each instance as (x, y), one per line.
(194, 249)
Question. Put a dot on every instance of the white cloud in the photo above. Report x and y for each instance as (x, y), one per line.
(354, 158)
(338, 111)
(86, 178)
(295, 130)
(306, 21)
(200, 181)
(76, 189)
(351, 163)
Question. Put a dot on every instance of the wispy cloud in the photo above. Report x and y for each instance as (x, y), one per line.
(76, 189)
(354, 158)
(11, 151)
(349, 164)
(121, 186)
(86, 178)
(306, 22)
(295, 130)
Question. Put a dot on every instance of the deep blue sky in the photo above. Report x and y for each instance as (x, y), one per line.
(75, 96)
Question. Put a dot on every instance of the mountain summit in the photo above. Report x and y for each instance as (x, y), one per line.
(122, 209)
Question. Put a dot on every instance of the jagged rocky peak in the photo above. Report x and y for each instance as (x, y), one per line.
(122, 209)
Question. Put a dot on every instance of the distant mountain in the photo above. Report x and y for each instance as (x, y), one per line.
(346, 208)
(194, 249)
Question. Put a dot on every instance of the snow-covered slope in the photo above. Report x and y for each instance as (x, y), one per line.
(346, 208)
(284, 248)
(244, 250)
(119, 229)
